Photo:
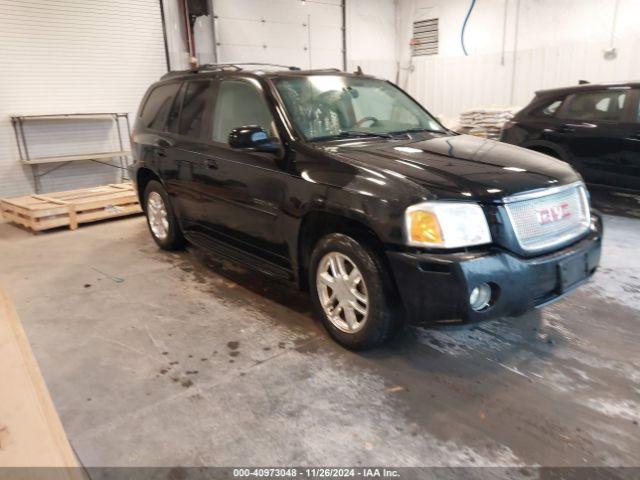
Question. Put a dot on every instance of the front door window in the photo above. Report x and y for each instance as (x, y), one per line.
(239, 104)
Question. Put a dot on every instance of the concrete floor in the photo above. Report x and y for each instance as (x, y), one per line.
(162, 359)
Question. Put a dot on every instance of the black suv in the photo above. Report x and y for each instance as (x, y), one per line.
(344, 185)
(596, 128)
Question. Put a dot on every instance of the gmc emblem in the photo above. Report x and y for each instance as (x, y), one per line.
(553, 214)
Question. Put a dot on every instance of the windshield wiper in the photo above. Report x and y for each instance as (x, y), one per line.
(352, 134)
(417, 130)
(360, 133)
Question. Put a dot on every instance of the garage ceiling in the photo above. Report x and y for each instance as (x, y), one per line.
(311, 35)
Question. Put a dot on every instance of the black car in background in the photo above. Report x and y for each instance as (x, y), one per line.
(345, 186)
(594, 127)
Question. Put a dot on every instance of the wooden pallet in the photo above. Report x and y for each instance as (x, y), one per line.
(70, 208)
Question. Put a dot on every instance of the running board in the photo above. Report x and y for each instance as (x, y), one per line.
(234, 254)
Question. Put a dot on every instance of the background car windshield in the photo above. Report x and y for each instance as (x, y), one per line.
(324, 106)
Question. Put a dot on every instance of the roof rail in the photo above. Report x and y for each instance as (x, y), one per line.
(260, 64)
(216, 66)
(206, 67)
(324, 70)
(223, 66)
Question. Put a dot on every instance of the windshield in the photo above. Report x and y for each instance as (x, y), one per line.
(326, 106)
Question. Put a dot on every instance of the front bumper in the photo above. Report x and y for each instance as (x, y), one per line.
(436, 286)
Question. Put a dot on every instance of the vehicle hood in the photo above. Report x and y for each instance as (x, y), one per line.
(452, 166)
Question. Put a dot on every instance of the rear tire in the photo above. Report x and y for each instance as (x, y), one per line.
(161, 220)
(350, 291)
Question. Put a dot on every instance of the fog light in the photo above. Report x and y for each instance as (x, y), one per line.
(480, 297)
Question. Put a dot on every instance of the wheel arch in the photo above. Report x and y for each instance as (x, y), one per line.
(548, 148)
(143, 176)
(315, 224)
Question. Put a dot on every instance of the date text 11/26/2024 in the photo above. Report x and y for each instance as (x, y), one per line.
(329, 472)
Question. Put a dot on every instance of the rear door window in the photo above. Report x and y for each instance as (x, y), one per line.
(156, 108)
(604, 105)
(173, 118)
(194, 106)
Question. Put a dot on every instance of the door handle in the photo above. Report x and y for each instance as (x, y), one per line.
(565, 129)
(161, 152)
(211, 164)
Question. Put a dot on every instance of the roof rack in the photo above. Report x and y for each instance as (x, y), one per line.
(224, 66)
(201, 68)
(324, 70)
(260, 64)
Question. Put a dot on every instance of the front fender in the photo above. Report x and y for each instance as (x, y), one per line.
(379, 213)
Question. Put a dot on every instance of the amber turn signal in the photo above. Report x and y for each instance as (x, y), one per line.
(425, 227)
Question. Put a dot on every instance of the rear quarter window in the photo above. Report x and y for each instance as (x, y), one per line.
(549, 109)
(156, 108)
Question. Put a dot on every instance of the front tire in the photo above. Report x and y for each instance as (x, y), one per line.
(161, 220)
(350, 292)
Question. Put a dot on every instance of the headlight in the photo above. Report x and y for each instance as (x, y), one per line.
(446, 225)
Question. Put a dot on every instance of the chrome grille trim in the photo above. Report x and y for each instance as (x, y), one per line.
(542, 192)
(534, 237)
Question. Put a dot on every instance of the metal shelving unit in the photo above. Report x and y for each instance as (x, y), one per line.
(19, 121)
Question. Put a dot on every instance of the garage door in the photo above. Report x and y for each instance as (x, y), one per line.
(72, 56)
(308, 35)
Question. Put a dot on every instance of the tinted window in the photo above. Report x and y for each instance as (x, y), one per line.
(174, 113)
(603, 105)
(549, 110)
(157, 106)
(193, 108)
(239, 104)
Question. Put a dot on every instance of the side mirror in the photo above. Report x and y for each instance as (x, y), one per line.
(254, 138)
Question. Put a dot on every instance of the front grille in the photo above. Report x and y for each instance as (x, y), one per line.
(548, 218)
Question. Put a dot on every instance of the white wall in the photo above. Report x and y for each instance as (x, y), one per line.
(69, 56)
(74, 56)
(556, 43)
(371, 37)
(62, 56)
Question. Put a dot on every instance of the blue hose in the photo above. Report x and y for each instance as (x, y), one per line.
(464, 25)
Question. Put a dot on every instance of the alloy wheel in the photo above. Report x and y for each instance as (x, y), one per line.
(157, 215)
(342, 292)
